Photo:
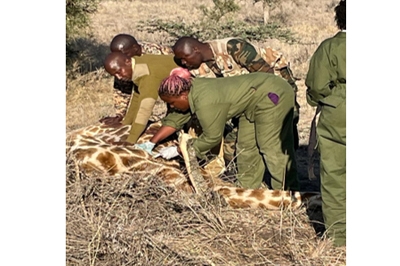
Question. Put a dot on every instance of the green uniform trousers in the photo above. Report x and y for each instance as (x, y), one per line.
(332, 147)
(272, 146)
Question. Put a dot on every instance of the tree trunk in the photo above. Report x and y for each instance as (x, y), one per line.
(266, 9)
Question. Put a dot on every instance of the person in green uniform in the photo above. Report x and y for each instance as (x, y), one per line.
(128, 45)
(147, 73)
(264, 104)
(326, 87)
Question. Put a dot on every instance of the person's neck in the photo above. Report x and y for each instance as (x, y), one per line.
(209, 52)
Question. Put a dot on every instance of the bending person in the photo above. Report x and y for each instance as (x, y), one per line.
(264, 104)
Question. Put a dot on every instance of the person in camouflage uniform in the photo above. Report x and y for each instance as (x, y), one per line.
(146, 72)
(232, 57)
(122, 92)
(326, 88)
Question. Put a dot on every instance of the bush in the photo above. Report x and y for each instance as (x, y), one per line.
(216, 25)
(77, 20)
(221, 8)
(208, 31)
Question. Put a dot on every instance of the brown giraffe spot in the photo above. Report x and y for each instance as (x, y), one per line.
(89, 142)
(275, 203)
(93, 130)
(286, 202)
(224, 191)
(119, 150)
(81, 154)
(257, 194)
(107, 160)
(247, 203)
(263, 206)
(71, 143)
(103, 146)
(238, 203)
(128, 161)
(120, 131)
(240, 191)
(275, 193)
(90, 168)
(186, 187)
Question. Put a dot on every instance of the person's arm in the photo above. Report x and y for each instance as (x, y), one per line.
(319, 76)
(246, 55)
(163, 133)
(171, 123)
(141, 107)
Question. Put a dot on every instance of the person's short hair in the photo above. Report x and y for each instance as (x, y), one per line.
(122, 41)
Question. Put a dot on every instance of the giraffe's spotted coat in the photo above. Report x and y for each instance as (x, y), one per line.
(93, 150)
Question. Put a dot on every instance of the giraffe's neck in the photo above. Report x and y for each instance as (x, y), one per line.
(92, 149)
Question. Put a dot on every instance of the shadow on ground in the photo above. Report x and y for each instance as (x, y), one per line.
(306, 184)
(86, 54)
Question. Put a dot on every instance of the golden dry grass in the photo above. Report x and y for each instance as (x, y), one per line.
(131, 222)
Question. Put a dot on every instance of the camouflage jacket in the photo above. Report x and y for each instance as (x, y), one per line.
(123, 90)
(235, 56)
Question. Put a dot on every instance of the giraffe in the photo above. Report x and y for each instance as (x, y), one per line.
(96, 151)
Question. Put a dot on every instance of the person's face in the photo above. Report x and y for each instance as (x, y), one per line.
(180, 103)
(189, 58)
(121, 70)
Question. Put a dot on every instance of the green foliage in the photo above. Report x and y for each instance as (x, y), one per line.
(208, 31)
(221, 8)
(215, 25)
(77, 20)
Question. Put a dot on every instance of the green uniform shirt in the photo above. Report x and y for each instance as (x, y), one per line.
(215, 101)
(326, 77)
(148, 73)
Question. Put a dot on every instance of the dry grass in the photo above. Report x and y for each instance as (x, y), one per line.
(129, 221)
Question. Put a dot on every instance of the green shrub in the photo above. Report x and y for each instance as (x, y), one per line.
(208, 31)
(221, 8)
(216, 25)
(77, 21)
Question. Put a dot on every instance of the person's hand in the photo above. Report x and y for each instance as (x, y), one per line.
(169, 152)
(112, 120)
(147, 146)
